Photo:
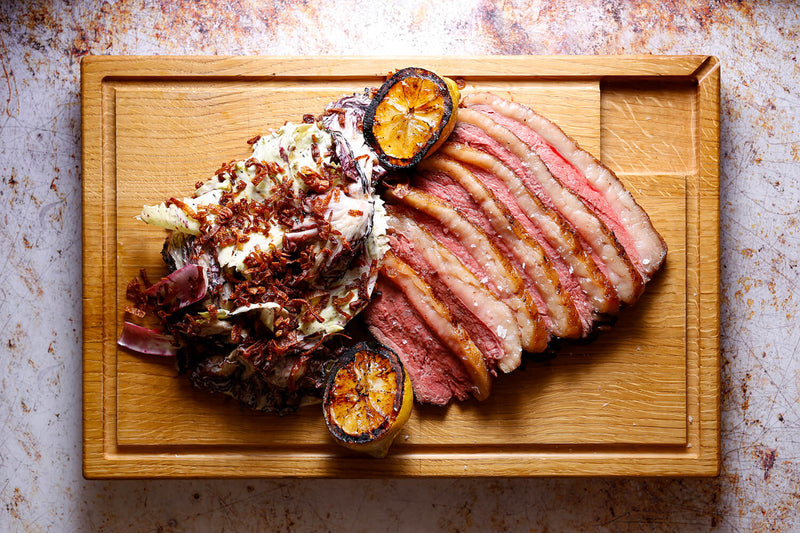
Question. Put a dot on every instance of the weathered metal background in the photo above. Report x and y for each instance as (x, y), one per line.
(41, 43)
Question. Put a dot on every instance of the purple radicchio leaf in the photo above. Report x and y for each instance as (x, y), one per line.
(147, 341)
(182, 288)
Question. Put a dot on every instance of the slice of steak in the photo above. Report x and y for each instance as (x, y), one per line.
(439, 320)
(490, 322)
(482, 132)
(453, 184)
(437, 375)
(475, 250)
(557, 238)
(584, 175)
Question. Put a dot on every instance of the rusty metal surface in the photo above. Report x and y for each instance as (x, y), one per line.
(41, 43)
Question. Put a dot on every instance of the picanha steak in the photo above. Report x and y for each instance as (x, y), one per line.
(509, 237)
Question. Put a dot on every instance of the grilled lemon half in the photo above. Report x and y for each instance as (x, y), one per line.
(368, 398)
(411, 115)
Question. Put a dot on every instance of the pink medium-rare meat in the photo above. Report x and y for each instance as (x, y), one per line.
(490, 322)
(477, 253)
(485, 262)
(439, 319)
(481, 131)
(452, 183)
(584, 175)
(509, 228)
(465, 304)
(448, 179)
(556, 236)
(437, 375)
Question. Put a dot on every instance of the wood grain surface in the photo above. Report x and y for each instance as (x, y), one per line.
(642, 399)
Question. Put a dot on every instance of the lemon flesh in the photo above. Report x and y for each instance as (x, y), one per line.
(408, 117)
(411, 115)
(368, 399)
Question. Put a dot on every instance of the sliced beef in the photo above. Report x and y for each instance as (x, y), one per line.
(482, 132)
(582, 174)
(565, 309)
(573, 263)
(490, 322)
(439, 320)
(475, 250)
(507, 237)
(437, 375)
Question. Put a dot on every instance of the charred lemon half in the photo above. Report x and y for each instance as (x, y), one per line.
(368, 398)
(411, 115)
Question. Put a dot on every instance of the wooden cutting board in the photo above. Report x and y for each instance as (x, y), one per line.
(642, 399)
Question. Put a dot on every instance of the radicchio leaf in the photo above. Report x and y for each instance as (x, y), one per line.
(147, 341)
(182, 288)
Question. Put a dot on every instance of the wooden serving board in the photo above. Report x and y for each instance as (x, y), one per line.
(642, 399)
